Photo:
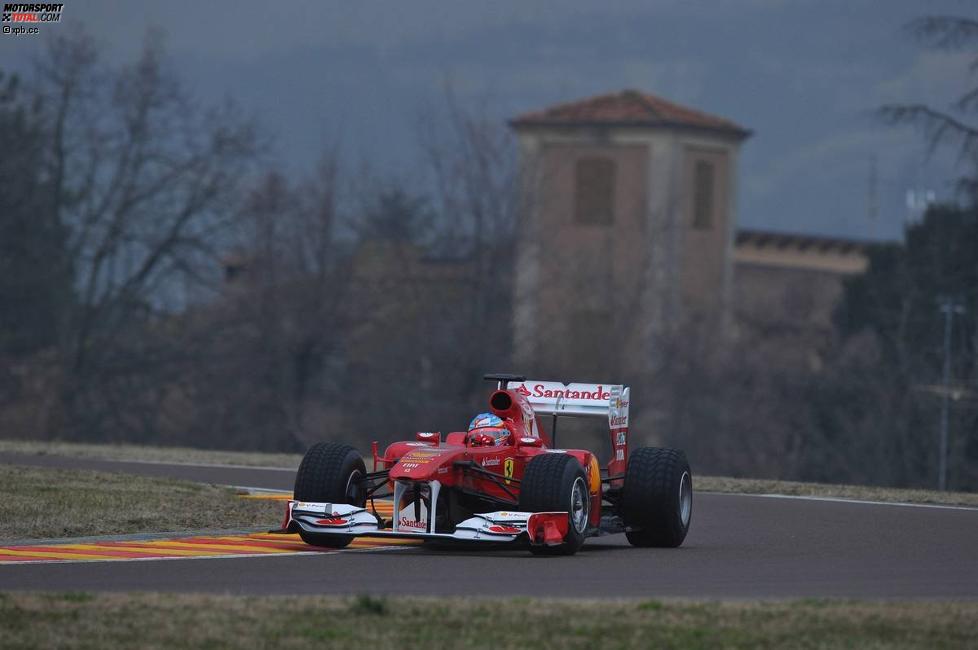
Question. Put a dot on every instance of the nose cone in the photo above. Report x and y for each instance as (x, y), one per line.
(424, 464)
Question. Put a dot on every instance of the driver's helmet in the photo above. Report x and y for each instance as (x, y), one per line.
(490, 424)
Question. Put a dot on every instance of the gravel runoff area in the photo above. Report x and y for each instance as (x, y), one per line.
(701, 483)
(145, 620)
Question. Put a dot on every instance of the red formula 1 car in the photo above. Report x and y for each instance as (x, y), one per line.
(502, 480)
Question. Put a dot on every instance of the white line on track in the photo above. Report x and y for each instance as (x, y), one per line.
(264, 468)
(844, 500)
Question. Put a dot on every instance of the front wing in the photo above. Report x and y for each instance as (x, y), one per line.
(547, 528)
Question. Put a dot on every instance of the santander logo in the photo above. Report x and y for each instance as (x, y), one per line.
(404, 522)
(539, 390)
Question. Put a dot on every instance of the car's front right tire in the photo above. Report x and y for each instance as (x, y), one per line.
(556, 482)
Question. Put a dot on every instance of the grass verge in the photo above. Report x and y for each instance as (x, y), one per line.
(701, 483)
(148, 453)
(106, 621)
(41, 503)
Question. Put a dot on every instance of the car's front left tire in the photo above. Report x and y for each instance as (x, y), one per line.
(657, 500)
(330, 473)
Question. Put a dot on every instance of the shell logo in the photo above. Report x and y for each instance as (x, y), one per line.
(594, 474)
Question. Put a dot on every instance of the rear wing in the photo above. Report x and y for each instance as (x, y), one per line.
(587, 400)
(595, 400)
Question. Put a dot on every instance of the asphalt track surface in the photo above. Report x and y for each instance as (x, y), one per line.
(738, 547)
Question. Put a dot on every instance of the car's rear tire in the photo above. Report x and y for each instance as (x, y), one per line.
(657, 500)
(557, 483)
(328, 473)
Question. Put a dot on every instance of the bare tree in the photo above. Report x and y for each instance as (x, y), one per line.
(145, 181)
(471, 158)
(285, 313)
(950, 125)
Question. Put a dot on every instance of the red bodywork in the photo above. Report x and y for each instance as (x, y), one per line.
(449, 461)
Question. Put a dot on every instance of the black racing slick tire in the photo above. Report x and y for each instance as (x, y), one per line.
(329, 473)
(557, 483)
(657, 500)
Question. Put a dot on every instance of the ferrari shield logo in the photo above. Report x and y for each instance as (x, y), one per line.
(508, 469)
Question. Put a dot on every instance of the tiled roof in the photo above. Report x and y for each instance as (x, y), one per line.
(782, 250)
(798, 241)
(628, 108)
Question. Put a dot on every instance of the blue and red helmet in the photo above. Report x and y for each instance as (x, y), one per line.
(488, 424)
(486, 421)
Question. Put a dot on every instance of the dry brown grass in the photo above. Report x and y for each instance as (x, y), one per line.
(197, 621)
(43, 503)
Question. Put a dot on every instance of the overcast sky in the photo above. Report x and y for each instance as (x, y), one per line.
(803, 75)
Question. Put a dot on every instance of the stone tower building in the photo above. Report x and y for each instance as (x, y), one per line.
(627, 231)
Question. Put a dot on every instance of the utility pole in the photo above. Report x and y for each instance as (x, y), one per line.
(948, 307)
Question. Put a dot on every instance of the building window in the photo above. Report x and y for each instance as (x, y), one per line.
(703, 182)
(594, 191)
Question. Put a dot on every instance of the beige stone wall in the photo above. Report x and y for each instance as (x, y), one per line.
(584, 274)
(792, 280)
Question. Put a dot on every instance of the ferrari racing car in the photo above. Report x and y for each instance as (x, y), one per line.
(502, 480)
